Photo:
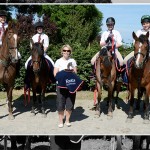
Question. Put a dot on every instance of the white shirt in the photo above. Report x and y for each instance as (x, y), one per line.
(141, 31)
(61, 64)
(1, 31)
(117, 36)
(44, 37)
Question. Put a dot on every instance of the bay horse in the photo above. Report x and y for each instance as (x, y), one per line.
(8, 62)
(139, 76)
(105, 77)
(39, 75)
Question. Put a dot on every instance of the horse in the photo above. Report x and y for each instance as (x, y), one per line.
(8, 62)
(105, 77)
(39, 75)
(138, 74)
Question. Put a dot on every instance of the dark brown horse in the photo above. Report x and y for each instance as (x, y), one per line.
(105, 77)
(39, 75)
(139, 76)
(8, 62)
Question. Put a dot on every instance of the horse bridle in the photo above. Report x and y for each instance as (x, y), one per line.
(143, 55)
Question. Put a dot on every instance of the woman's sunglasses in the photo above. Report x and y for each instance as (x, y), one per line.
(66, 50)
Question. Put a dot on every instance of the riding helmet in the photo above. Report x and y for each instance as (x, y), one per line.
(3, 13)
(39, 24)
(110, 20)
(145, 18)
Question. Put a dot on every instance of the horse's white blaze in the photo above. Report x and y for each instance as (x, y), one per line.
(15, 37)
(139, 55)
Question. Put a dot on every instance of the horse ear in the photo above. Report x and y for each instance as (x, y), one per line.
(134, 36)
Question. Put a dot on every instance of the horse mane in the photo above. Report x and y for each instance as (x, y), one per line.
(143, 38)
(103, 51)
(4, 35)
(104, 54)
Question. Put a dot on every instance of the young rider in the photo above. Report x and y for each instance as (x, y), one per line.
(107, 38)
(145, 22)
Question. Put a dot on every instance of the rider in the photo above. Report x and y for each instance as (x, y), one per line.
(3, 24)
(3, 27)
(38, 37)
(145, 21)
(106, 38)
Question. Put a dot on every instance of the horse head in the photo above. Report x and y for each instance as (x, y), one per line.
(141, 49)
(9, 43)
(105, 66)
(37, 55)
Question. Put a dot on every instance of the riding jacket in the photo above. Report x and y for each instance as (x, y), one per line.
(117, 36)
(141, 31)
(42, 36)
(2, 31)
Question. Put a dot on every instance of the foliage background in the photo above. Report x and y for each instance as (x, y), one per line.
(76, 25)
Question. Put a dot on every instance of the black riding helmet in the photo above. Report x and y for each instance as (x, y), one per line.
(39, 24)
(110, 20)
(3, 13)
(145, 18)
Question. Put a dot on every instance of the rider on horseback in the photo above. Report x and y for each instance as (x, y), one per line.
(111, 39)
(39, 37)
(145, 21)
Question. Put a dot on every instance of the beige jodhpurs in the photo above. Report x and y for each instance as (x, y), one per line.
(118, 55)
(128, 57)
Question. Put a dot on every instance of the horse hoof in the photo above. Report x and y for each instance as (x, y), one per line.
(32, 114)
(109, 115)
(118, 107)
(129, 120)
(44, 115)
(97, 113)
(11, 117)
(146, 121)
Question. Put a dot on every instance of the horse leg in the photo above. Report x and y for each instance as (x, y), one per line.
(110, 110)
(33, 102)
(146, 106)
(42, 101)
(98, 110)
(118, 88)
(130, 115)
(10, 107)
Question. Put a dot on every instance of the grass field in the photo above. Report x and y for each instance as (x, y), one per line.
(81, 95)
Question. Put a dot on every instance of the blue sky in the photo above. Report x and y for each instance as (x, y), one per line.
(127, 17)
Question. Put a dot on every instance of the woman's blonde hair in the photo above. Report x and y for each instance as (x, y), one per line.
(68, 46)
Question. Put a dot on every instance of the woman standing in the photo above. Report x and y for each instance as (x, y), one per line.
(63, 69)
